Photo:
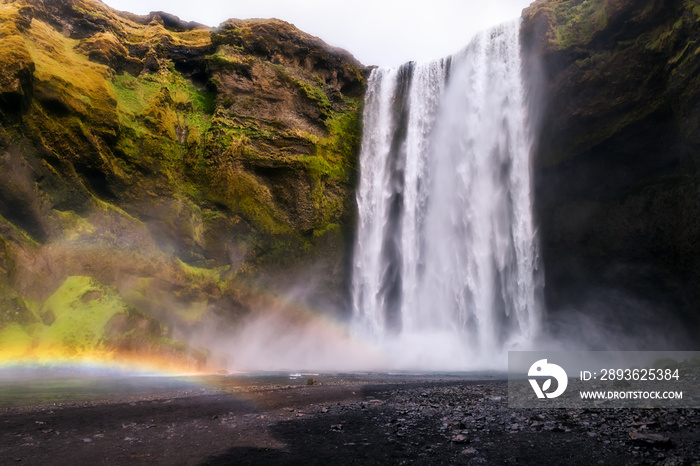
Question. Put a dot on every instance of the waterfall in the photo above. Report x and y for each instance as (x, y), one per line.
(445, 265)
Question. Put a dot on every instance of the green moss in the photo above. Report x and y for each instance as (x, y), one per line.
(34, 307)
(153, 142)
(209, 216)
(694, 6)
(108, 208)
(331, 167)
(78, 312)
(578, 22)
(320, 169)
(15, 342)
(135, 94)
(185, 94)
(228, 130)
(194, 313)
(261, 214)
(331, 228)
(311, 91)
(343, 138)
(284, 250)
(68, 76)
(14, 54)
(198, 274)
(161, 103)
(231, 58)
(595, 61)
(165, 119)
(315, 94)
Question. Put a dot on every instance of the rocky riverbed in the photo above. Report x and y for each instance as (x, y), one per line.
(405, 420)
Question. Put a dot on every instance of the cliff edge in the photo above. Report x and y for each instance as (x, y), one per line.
(615, 87)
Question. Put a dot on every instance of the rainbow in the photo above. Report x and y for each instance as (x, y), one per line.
(98, 362)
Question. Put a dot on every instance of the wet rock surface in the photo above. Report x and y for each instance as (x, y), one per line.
(616, 168)
(413, 422)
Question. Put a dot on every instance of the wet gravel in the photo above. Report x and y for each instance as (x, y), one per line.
(426, 421)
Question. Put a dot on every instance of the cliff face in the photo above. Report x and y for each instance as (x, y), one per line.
(616, 169)
(157, 175)
(166, 167)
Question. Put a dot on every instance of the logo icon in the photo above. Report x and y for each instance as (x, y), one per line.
(544, 369)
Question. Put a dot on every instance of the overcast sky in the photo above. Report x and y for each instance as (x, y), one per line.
(377, 32)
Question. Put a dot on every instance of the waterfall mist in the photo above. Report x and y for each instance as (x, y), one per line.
(445, 273)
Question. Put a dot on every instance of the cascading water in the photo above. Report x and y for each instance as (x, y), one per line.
(445, 267)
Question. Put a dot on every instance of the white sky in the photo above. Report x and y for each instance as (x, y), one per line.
(377, 32)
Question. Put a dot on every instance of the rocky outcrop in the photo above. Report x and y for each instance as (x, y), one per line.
(16, 75)
(192, 174)
(616, 168)
(187, 168)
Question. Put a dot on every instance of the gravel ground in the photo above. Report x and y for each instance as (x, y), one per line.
(426, 421)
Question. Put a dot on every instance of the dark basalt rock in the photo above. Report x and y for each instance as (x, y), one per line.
(170, 21)
(616, 167)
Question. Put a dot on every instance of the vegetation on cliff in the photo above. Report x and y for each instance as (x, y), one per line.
(169, 165)
(617, 167)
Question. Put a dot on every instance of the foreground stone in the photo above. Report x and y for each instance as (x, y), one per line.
(417, 422)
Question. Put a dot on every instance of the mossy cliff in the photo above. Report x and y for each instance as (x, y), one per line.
(175, 170)
(158, 176)
(615, 86)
